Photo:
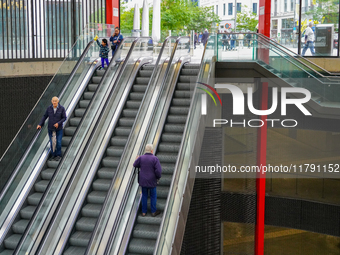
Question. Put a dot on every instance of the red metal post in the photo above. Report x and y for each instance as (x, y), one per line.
(261, 177)
(113, 12)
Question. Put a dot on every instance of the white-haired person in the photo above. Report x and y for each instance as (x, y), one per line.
(309, 39)
(56, 115)
(150, 172)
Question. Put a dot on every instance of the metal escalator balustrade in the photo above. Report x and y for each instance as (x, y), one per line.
(91, 209)
(146, 230)
(26, 212)
(81, 122)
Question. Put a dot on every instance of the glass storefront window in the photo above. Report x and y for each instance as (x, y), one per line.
(290, 27)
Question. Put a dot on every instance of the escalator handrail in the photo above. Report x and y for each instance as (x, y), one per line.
(125, 148)
(95, 126)
(306, 59)
(42, 200)
(176, 172)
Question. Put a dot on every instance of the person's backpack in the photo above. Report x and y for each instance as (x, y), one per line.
(234, 36)
(248, 36)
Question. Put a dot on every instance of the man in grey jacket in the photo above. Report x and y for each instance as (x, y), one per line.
(150, 172)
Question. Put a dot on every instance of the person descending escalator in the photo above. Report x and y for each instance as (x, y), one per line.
(149, 175)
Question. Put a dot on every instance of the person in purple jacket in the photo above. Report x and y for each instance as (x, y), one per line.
(150, 173)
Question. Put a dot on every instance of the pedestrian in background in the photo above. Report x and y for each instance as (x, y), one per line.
(205, 37)
(150, 173)
(309, 40)
(56, 115)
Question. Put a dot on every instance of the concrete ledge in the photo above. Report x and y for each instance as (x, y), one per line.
(26, 69)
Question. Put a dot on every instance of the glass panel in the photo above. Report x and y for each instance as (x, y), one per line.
(35, 143)
(64, 174)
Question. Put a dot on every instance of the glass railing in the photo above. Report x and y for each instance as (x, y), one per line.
(69, 162)
(302, 59)
(171, 213)
(85, 171)
(69, 75)
(325, 89)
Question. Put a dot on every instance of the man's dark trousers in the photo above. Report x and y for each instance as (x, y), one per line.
(59, 136)
(153, 198)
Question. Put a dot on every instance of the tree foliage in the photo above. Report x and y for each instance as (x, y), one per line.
(246, 20)
(175, 15)
(324, 11)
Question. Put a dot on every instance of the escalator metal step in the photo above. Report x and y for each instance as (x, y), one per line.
(180, 102)
(74, 250)
(167, 168)
(188, 71)
(115, 151)
(84, 103)
(145, 73)
(96, 197)
(69, 131)
(136, 96)
(27, 212)
(133, 104)
(79, 112)
(91, 210)
(47, 173)
(66, 140)
(187, 78)
(88, 95)
(148, 219)
(145, 231)
(162, 191)
(177, 119)
(41, 186)
(139, 88)
(75, 121)
(184, 86)
(126, 122)
(86, 224)
(179, 110)
(12, 241)
(167, 157)
(142, 80)
(168, 147)
(119, 140)
(141, 246)
(101, 185)
(110, 162)
(166, 179)
(35, 198)
(131, 113)
(20, 226)
(96, 79)
(173, 128)
(80, 238)
(92, 87)
(182, 94)
(106, 172)
(122, 131)
(169, 137)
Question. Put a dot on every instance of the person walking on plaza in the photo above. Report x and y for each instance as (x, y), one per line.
(195, 40)
(309, 40)
(115, 39)
(56, 115)
(150, 173)
(240, 40)
(205, 37)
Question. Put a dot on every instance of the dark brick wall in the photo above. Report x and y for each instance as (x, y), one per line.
(17, 98)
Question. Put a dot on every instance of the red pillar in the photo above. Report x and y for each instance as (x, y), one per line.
(261, 177)
(264, 27)
(113, 12)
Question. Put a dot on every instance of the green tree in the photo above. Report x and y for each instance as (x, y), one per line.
(246, 20)
(176, 15)
(324, 11)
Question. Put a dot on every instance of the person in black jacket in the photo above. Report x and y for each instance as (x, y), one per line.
(56, 115)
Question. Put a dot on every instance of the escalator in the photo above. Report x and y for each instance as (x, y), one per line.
(106, 172)
(29, 206)
(146, 230)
